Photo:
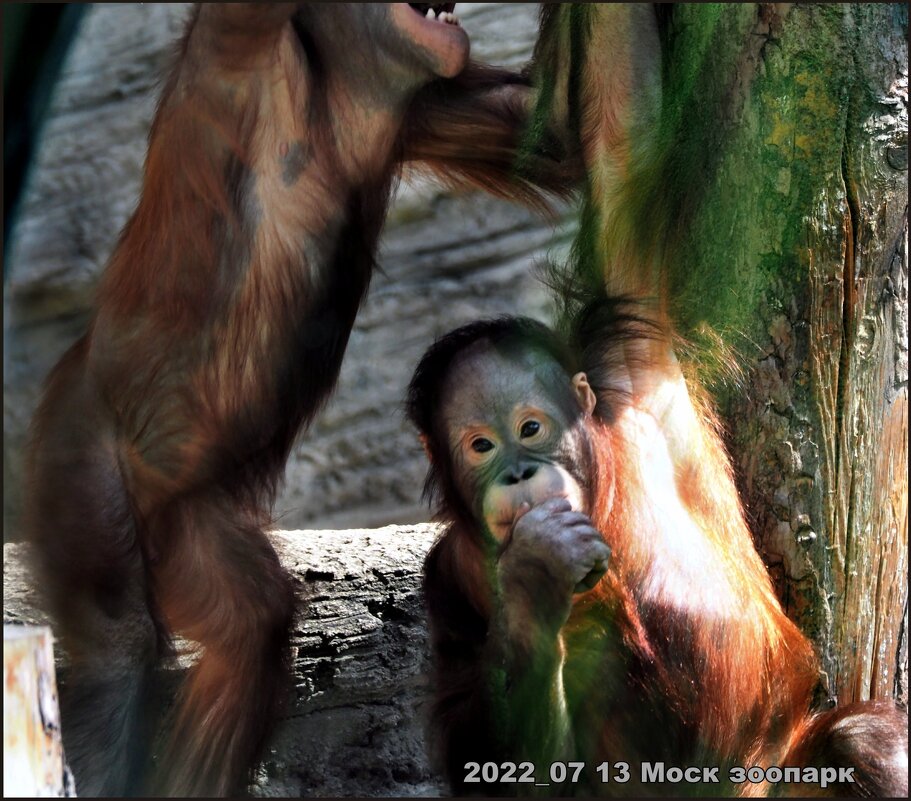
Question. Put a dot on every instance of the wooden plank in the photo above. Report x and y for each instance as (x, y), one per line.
(33, 763)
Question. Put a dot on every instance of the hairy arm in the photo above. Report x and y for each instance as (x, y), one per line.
(470, 132)
(683, 546)
(599, 73)
(463, 714)
(675, 477)
(501, 695)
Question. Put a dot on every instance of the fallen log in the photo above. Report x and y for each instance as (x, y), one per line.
(355, 722)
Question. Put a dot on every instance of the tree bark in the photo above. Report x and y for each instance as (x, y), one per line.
(793, 146)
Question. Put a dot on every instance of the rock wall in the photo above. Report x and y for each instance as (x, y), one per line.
(354, 725)
(445, 260)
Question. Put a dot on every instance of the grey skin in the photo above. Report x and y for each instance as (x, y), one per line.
(505, 425)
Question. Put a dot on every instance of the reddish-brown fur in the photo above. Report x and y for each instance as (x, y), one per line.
(682, 653)
(220, 325)
(753, 677)
(716, 674)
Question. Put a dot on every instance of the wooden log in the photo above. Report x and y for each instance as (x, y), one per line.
(355, 722)
(33, 763)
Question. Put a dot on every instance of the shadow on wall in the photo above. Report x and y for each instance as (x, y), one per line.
(36, 38)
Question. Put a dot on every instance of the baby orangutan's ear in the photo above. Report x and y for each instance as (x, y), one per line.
(425, 441)
(584, 393)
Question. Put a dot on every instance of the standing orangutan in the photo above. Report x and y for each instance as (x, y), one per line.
(218, 332)
(601, 621)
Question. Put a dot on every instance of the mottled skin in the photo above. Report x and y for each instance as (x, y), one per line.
(506, 428)
(219, 329)
(508, 448)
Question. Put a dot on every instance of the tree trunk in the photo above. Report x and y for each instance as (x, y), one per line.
(793, 152)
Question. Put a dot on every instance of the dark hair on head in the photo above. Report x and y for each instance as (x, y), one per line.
(422, 402)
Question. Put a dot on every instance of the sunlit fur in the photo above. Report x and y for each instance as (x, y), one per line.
(601, 70)
(682, 653)
(691, 596)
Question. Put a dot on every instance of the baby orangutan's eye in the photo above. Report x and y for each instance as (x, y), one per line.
(529, 429)
(481, 445)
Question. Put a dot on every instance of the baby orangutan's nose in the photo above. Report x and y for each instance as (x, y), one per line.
(519, 473)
